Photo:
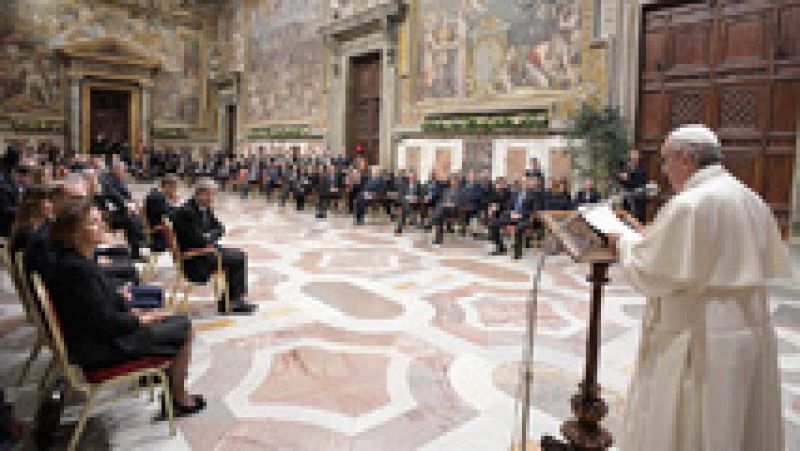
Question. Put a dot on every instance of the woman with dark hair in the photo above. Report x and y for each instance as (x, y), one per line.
(34, 211)
(99, 329)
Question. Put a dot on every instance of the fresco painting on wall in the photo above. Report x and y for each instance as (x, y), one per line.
(476, 48)
(31, 29)
(284, 73)
(178, 87)
(29, 73)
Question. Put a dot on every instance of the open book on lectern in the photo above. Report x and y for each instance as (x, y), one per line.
(583, 233)
(604, 220)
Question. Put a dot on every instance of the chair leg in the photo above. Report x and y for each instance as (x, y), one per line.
(37, 347)
(168, 401)
(50, 375)
(76, 435)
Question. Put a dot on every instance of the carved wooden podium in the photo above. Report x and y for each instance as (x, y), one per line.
(584, 245)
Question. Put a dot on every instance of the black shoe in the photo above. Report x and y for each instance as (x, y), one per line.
(320, 216)
(181, 410)
(517, 255)
(437, 242)
(241, 308)
(497, 252)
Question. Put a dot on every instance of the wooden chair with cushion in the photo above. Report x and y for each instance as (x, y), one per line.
(183, 284)
(149, 272)
(93, 383)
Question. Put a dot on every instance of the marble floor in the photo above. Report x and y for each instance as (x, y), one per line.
(368, 341)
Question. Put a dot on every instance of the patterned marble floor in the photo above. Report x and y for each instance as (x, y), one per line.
(367, 341)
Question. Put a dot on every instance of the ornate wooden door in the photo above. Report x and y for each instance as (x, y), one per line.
(365, 107)
(733, 65)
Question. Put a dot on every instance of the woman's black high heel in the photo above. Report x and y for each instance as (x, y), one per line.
(181, 410)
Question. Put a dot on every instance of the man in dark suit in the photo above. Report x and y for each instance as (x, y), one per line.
(123, 213)
(410, 198)
(588, 194)
(373, 192)
(11, 190)
(158, 205)
(196, 227)
(434, 189)
(473, 192)
(448, 207)
(633, 179)
(523, 205)
(330, 188)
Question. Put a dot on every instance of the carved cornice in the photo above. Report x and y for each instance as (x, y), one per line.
(108, 50)
(382, 13)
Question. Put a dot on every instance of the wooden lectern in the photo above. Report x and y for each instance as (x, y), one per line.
(584, 245)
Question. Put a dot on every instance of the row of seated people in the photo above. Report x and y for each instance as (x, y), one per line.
(56, 235)
(436, 204)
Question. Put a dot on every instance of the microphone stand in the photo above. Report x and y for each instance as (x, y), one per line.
(527, 378)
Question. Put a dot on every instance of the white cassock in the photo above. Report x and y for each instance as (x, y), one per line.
(707, 371)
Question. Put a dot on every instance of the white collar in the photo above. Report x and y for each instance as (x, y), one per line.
(703, 175)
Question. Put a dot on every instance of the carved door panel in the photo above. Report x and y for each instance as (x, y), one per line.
(732, 65)
(364, 116)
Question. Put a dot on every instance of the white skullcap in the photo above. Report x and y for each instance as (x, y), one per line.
(696, 134)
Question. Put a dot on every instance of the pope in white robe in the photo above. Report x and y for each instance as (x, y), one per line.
(707, 373)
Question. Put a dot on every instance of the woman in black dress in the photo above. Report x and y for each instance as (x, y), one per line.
(99, 330)
(34, 210)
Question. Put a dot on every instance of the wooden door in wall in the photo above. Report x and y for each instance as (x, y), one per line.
(733, 65)
(110, 112)
(364, 109)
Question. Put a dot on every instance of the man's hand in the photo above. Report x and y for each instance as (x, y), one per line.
(515, 215)
(623, 176)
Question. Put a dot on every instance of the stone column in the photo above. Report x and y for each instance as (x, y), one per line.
(146, 115)
(73, 142)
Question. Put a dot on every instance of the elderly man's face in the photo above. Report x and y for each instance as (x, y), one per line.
(676, 164)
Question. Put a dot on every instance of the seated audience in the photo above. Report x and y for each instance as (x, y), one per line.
(373, 192)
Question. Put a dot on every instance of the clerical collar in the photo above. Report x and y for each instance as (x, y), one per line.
(703, 175)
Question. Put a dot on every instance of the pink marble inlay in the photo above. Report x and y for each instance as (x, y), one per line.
(348, 383)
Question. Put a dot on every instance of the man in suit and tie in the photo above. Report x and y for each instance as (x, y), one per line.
(448, 207)
(196, 227)
(160, 204)
(588, 194)
(330, 187)
(409, 199)
(373, 192)
(123, 213)
(524, 204)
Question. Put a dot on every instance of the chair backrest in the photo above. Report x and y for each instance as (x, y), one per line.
(22, 284)
(172, 243)
(54, 329)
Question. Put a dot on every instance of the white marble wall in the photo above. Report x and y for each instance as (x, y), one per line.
(427, 149)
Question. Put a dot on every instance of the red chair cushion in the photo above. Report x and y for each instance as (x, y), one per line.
(98, 376)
